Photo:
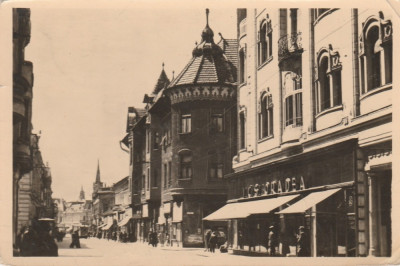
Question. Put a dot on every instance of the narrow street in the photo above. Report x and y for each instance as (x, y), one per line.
(143, 254)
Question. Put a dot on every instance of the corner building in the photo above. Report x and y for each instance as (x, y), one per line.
(314, 132)
(182, 147)
(203, 118)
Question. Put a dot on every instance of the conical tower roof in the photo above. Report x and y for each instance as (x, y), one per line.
(209, 65)
(162, 81)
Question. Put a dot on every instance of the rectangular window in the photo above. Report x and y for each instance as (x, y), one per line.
(143, 181)
(155, 178)
(215, 165)
(186, 123)
(299, 109)
(186, 165)
(156, 140)
(337, 88)
(165, 175)
(169, 174)
(148, 140)
(217, 122)
(148, 179)
(289, 110)
(242, 132)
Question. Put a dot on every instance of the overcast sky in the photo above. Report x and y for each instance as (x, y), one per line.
(90, 64)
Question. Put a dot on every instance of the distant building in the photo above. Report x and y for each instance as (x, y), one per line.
(102, 198)
(75, 214)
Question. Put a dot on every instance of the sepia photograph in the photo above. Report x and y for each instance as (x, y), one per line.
(169, 134)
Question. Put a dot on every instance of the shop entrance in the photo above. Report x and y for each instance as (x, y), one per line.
(383, 227)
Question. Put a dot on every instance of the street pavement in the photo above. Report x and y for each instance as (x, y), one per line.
(143, 254)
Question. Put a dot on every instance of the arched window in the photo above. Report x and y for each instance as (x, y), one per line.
(242, 65)
(329, 80)
(292, 93)
(185, 164)
(265, 116)
(265, 41)
(376, 53)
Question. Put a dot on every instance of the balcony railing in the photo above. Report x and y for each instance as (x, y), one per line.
(289, 44)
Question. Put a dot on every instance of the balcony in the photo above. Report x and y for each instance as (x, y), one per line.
(289, 45)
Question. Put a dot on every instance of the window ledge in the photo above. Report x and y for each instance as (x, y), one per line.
(266, 138)
(376, 90)
(293, 126)
(330, 110)
(269, 59)
(216, 180)
(184, 179)
(184, 133)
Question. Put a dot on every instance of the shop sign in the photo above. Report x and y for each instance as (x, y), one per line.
(275, 187)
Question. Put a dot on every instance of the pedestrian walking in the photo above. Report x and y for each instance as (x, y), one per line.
(207, 239)
(272, 241)
(213, 241)
(303, 243)
(75, 240)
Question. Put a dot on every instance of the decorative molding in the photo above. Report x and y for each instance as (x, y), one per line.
(385, 30)
(183, 94)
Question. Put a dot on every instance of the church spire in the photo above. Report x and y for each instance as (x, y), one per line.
(82, 194)
(98, 172)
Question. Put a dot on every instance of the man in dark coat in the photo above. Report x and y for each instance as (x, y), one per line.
(213, 241)
(303, 243)
(75, 240)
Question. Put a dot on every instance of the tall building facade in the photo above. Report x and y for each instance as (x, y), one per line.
(181, 147)
(315, 131)
(22, 104)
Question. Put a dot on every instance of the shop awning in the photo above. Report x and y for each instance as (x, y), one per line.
(124, 221)
(244, 209)
(229, 211)
(309, 201)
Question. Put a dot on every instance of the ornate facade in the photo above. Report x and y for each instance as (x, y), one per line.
(323, 134)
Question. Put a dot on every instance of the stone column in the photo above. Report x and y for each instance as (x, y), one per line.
(314, 231)
(373, 234)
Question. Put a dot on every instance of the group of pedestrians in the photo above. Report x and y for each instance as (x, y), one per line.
(302, 243)
(36, 240)
(211, 240)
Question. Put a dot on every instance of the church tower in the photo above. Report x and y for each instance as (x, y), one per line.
(97, 184)
(82, 194)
